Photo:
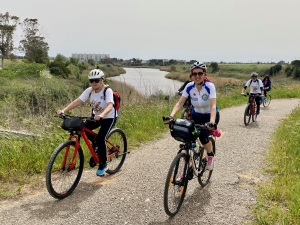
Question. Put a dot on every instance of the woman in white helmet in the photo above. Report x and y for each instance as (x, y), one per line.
(203, 99)
(256, 88)
(103, 113)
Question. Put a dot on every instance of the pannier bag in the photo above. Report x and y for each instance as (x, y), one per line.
(184, 130)
(73, 123)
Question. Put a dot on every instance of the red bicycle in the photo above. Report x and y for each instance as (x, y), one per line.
(66, 163)
(251, 108)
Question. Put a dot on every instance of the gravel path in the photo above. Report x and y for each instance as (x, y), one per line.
(135, 194)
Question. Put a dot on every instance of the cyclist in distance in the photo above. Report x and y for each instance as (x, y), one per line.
(204, 110)
(103, 113)
(256, 87)
(267, 84)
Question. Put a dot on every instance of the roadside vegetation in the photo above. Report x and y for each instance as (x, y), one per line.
(29, 99)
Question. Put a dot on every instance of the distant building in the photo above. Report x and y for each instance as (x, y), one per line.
(86, 57)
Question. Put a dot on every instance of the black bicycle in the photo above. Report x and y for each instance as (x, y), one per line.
(251, 108)
(190, 162)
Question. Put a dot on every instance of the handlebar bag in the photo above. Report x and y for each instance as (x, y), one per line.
(184, 130)
(73, 123)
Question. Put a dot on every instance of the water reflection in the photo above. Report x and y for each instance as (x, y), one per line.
(148, 81)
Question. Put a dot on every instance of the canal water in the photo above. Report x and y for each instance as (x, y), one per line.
(149, 81)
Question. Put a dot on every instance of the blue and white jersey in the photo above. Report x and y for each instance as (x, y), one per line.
(255, 86)
(200, 100)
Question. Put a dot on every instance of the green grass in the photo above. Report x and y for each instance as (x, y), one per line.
(279, 196)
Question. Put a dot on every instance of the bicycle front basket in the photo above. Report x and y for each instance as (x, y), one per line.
(184, 130)
(73, 123)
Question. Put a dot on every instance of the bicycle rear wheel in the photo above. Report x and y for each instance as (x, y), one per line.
(62, 176)
(184, 114)
(176, 185)
(247, 114)
(267, 101)
(116, 144)
(204, 175)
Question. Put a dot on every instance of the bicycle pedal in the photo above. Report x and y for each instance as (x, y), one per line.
(92, 162)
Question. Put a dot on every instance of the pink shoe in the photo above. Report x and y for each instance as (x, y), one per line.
(215, 133)
(179, 178)
(210, 163)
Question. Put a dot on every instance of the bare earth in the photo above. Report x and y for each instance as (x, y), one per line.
(135, 194)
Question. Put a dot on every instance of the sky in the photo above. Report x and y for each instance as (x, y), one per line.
(204, 30)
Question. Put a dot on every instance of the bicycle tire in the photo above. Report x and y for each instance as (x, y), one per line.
(176, 186)
(61, 181)
(115, 159)
(204, 175)
(254, 114)
(267, 101)
(184, 114)
(247, 114)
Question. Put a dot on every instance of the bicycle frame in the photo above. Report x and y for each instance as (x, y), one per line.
(253, 104)
(77, 136)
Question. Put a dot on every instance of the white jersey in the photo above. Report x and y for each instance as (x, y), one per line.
(97, 101)
(254, 86)
(200, 100)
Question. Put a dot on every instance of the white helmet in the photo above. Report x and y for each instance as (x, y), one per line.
(96, 74)
(254, 74)
(198, 65)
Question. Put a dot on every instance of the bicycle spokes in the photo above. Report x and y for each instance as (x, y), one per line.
(116, 150)
(176, 184)
(64, 170)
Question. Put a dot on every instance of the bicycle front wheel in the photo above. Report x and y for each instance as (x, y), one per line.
(204, 175)
(62, 176)
(176, 185)
(267, 100)
(247, 114)
(116, 144)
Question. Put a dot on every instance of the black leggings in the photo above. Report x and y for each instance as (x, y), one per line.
(106, 126)
(204, 134)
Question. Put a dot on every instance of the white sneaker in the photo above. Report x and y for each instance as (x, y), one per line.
(210, 163)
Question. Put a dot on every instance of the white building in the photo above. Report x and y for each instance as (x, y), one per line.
(86, 57)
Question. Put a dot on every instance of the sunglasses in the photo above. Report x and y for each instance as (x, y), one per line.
(197, 73)
(94, 80)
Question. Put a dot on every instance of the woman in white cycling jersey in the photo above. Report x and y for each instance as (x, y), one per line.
(256, 88)
(204, 110)
(103, 113)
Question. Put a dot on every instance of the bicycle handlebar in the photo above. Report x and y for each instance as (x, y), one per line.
(169, 121)
(64, 116)
(248, 94)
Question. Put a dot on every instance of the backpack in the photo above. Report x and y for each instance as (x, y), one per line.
(117, 98)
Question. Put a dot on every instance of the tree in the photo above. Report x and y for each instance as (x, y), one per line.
(214, 67)
(33, 44)
(295, 63)
(91, 62)
(8, 26)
